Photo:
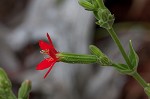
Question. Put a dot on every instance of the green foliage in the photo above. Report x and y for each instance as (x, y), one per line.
(124, 69)
(106, 20)
(133, 57)
(6, 87)
(87, 5)
(102, 14)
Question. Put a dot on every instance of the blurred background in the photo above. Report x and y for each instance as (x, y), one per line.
(24, 22)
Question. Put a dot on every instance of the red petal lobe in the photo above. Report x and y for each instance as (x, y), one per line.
(49, 39)
(49, 70)
(43, 45)
(45, 64)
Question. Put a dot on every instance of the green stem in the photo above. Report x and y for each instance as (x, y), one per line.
(141, 81)
(117, 41)
(135, 75)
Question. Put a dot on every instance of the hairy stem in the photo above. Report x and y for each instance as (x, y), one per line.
(140, 80)
(117, 41)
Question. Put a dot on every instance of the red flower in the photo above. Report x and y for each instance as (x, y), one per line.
(47, 48)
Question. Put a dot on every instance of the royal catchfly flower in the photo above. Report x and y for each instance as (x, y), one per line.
(72, 58)
(48, 49)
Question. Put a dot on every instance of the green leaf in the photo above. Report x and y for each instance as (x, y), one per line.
(123, 68)
(133, 57)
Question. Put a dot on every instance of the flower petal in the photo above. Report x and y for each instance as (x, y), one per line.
(45, 64)
(49, 39)
(49, 70)
(43, 45)
(51, 43)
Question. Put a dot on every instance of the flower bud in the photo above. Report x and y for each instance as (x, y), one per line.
(87, 5)
(4, 80)
(105, 18)
(102, 58)
(24, 90)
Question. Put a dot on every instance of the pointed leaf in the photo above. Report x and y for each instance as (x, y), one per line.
(123, 68)
(134, 59)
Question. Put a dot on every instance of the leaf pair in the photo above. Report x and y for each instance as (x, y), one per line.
(133, 58)
(123, 68)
